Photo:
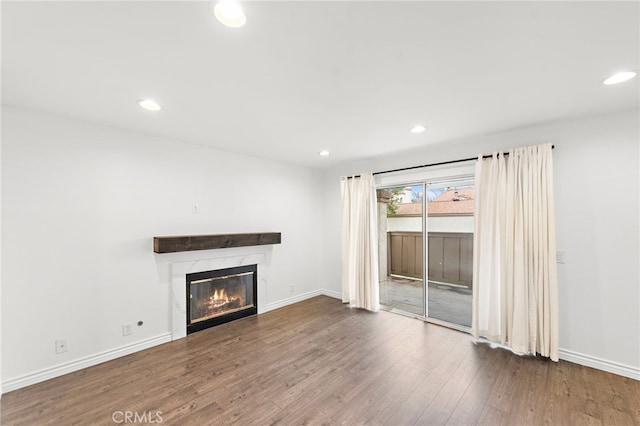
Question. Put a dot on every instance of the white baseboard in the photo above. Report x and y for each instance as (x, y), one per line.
(300, 297)
(600, 364)
(331, 293)
(79, 364)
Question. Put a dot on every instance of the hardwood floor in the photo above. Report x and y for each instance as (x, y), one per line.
(319, 362)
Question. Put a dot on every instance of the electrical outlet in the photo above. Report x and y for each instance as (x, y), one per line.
(127, 329)
(560, 257)
(61, 346)
(195, 209)
(292, 288)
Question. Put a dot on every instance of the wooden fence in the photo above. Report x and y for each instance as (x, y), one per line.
(450, 256)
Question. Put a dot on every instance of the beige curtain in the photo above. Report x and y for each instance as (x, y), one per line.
(515, 301)
(359, 242)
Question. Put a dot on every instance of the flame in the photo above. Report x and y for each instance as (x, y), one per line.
(218, 302)
(219, 295)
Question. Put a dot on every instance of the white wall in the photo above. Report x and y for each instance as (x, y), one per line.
(404, 224)
(596, 163)
(450, 224)
(436, 224)
(80, 205)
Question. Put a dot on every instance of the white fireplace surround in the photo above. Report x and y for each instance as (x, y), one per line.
(174, 267)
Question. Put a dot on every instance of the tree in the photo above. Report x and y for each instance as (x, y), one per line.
(392, 207)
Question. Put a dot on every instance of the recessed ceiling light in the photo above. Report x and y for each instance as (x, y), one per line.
(230, 14)
(418, 129)
(324, 153)
(149, 104)
(620, 77)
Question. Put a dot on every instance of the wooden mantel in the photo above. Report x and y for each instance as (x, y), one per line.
(207, 242)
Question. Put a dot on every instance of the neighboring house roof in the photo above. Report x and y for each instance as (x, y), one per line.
(409, 209)
(450, 203)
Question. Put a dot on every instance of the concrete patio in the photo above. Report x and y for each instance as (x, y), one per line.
(446, 303)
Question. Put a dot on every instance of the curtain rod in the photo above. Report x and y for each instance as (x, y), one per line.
(462, 160)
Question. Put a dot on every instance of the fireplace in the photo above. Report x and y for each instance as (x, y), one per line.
(219, 296)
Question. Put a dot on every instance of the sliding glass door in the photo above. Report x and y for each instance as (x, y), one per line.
(443, 211)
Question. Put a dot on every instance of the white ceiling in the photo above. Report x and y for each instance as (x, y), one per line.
(350, 77)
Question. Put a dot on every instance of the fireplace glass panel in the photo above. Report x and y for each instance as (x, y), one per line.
(213, 297)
